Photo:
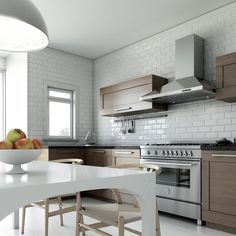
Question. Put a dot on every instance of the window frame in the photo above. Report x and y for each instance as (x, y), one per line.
(50, 86)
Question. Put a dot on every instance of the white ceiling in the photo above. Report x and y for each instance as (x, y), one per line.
(93, 28)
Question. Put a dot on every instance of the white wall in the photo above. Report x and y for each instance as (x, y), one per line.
(16, 91)
(2, 100)
(2, 63)
(156, 55)
(59, 67)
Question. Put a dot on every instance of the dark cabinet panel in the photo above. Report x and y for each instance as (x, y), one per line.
(64, 153)
(223, 187)
(99, 157)
(226, 77)
(219, 189)
(124, 98)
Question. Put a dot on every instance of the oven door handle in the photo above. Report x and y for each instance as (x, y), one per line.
(171, 164)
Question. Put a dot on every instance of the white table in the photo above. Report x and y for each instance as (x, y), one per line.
(47, 179)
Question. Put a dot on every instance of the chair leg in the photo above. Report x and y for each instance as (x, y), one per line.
(82, 221)
(78, 215)
(46, 216)
(60, 207)
(121, 227)
(158, 228)
(23, 220)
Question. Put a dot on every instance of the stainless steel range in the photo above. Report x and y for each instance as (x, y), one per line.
(178, 187)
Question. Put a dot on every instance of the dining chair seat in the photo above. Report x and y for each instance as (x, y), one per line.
(113, 214)
(44, 204)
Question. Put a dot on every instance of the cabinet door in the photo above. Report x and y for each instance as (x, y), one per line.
(99, 157)
(225, 77)
(124, 98)
(223, 187)
(64, 153)
(122, 157)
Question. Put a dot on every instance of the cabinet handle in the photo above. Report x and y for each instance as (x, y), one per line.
(223, 155)
(124, 152)
(123, 109)
(66, 152)
(98, 151)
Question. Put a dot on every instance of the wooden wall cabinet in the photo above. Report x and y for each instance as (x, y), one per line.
(126, 156)
(124, 98)
(226, 77)
(219, 189)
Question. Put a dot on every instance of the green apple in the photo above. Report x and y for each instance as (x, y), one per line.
(15, 134)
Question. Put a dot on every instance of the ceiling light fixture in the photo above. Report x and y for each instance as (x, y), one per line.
(22, 27)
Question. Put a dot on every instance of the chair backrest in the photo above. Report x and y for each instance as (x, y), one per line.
(74, 161)
(144, 167)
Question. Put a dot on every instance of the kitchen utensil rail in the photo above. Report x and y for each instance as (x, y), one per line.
(140, 117)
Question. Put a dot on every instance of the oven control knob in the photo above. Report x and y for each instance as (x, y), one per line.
(148, 152)
(179, 153)
(184, 153)
(170, 153)
(166, 153)
(155, 153)
(190, 153)
(161, 153)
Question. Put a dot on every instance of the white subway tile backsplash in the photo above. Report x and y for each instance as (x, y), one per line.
(59, 67)
(156, 55)
(224, 122)
(211, 122)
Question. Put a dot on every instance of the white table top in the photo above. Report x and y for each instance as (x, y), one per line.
(48, 179)
(41, 172)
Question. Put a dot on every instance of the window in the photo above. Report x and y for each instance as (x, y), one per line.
(2, 106)
(60, 113)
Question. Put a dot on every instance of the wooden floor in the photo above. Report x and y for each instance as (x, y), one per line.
(170, 226)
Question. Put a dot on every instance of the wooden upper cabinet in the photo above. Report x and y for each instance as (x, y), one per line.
(124, 98)
(226, 77)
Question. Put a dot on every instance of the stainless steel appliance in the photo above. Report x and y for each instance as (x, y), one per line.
(189, 84)
(178, 186)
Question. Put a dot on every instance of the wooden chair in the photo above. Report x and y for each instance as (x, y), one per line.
(44, 204)
(113, 214)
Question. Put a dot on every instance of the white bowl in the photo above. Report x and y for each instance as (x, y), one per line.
(18, 157)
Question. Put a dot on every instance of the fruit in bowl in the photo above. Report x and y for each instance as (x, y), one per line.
(17, 149)
(5, 144)
(24, 143)
(14, 135)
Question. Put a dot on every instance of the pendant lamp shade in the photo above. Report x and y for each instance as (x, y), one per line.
(22, 27)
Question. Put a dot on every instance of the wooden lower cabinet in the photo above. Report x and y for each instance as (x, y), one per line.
(219, 189)
(125, 156)
(64, 153)
(99, 157)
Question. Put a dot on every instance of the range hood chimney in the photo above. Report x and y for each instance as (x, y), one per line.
(189, 84)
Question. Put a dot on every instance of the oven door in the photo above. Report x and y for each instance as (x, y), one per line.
(179, 180)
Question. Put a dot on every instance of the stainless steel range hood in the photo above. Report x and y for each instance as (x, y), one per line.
(189, 84)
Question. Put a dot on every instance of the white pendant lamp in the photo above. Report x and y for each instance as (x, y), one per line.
(22, 27)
